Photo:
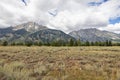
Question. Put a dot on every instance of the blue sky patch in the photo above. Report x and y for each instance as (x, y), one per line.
(24, 1)
(114, 21)
(97, 3)
(105, 0)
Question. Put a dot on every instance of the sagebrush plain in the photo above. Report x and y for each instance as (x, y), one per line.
(59, 63)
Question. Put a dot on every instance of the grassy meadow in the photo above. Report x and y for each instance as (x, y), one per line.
(59, 63)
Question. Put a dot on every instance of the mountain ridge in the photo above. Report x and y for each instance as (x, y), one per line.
(30, 27)
(93, 34)
(34, 32)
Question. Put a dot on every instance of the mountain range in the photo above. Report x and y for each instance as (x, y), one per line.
(34, 32)
(93, 34)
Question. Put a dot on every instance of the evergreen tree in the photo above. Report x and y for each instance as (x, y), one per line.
(71, 43)
(76, 43)
(47, 44)
(28, 43)
(0, 42)
(92, 43)
(99, 43)
(59, 43)
(79, 42)
(110, 43)
(40, 43)
(87, 43)
(19, 44)
(96, 43)
(5, 43)
(13, 44)
(117, 44)
(36, 43)
(106, 43)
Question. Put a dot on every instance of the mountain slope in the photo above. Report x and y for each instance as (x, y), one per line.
(49, 35)
(32, 32)
(93, 35)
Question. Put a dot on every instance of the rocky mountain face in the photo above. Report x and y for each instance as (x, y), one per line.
(94, 34)
(30, 27)
(32, 32)
(49, 35)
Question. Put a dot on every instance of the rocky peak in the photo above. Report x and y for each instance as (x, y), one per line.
(30, 27)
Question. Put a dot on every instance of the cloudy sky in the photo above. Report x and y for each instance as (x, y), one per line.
(66, 15)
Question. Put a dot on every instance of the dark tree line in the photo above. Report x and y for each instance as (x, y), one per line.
(71, 42)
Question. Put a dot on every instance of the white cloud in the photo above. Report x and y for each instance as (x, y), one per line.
(71, 15)
(112, 28)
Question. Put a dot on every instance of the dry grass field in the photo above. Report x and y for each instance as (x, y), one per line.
(59, 63)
